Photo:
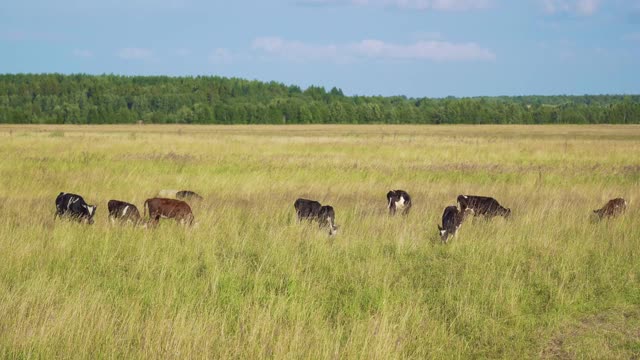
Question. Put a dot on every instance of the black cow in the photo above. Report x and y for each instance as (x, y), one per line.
(452, 219)
(307, 209)
(187, 195)
(123, 211)
(612, 208)
(398, 200)
(482, 205)
(74, 207)
(313, 210)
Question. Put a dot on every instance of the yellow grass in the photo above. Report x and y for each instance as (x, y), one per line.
(249, 282)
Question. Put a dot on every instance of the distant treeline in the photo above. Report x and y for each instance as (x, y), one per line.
(111, 99)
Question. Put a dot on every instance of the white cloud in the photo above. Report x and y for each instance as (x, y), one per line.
(135, 53)
(298, 51)
(82, 53)
(580, 7)
(220, 56)
(587, 7)
(444, 5)
(428, 50)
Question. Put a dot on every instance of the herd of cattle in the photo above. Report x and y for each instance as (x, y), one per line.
(172, 204)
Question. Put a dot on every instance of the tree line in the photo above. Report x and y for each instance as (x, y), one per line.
(114, 99)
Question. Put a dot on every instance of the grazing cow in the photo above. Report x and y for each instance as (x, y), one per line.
(307, 209)
(313, 210)
(482, 205)
(168, 209)
(612, 208)
(75, 207)
(452, 219)
(398, 200)
(187, 195)
(123, 211)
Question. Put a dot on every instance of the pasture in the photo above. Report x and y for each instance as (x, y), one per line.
(249, 282)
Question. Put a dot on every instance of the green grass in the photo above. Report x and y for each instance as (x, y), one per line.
(249, 282)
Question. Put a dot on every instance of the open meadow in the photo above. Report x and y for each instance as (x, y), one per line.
(247, 281)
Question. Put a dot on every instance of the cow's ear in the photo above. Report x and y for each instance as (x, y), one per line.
(439, 228)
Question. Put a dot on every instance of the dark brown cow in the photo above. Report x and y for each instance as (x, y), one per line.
(612, 208)
(483, 205)
(168, 209)
(123, 211)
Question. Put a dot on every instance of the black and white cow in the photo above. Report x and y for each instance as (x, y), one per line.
(398, 200)
(73, 206)
(452, 219)
(123, 211)
(313, 210)
(483, 205)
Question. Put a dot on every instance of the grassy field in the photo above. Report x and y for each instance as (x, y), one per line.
(249, 282)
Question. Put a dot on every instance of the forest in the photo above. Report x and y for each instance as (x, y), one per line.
(115, 99)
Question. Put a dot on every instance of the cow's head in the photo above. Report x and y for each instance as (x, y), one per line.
(333, 229)
(599, 213)
(444, 235)
(91, 210)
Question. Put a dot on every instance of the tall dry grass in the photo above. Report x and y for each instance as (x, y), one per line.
(249, 282)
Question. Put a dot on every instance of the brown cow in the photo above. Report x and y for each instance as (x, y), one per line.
(612, 208)
(168, 209)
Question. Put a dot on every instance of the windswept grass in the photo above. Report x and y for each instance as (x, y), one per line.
(249, 282)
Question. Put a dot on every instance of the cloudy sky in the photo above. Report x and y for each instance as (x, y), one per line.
(417, 48)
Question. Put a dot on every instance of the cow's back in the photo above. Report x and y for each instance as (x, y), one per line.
(114, 205)
(449, 217)
(482, 205)
(123, 209)
(306, 207)
(169, 208)
(612, 208)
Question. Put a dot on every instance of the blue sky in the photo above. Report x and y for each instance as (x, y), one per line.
(416, 48)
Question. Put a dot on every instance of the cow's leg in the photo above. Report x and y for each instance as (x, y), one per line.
(332, 226)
